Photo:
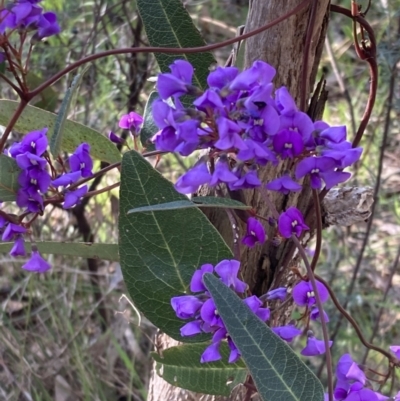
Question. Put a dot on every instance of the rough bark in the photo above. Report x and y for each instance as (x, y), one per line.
(282, 46)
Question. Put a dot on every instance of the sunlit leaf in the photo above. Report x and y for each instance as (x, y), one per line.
(34, 118)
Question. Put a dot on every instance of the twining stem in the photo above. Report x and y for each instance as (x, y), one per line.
(311, 277)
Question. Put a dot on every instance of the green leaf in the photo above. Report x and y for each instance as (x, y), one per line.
(278, 373)
(224, 203)
(9, 172)
(168, 24)
(34, 118)
(181, 367)
(83, 249)
(56, 136)
(159, 252)
(206, 201)
(48, 98)
(149, 126)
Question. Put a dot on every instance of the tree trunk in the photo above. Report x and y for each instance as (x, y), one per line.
(269, 265)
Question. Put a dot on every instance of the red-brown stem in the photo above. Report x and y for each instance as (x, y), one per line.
(306, 56)
(311, 277)
(354, 324)
(319, 230)
(10, 125)
(166, 50)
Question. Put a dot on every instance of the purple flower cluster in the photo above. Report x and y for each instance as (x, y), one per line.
(351, 383)
(35, 181)
(29, 16)
(204, 318)
(201, 308)
(241, 116)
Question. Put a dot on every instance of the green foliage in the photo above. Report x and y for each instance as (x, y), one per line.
(159, 251)
(48, 98)
(82, 249)
(278, 373)
(34, 118)
(180, 366)
(205, 201)
(9, 172)
(149, 126)
(168, 24)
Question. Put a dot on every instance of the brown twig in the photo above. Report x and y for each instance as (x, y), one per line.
(312, 278)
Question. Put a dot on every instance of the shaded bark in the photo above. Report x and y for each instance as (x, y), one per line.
(269, 265)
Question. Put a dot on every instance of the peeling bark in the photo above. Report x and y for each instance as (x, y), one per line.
(262, 267)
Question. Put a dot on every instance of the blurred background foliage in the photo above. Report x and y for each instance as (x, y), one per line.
(68, 335)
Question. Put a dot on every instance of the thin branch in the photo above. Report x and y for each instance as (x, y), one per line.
(311, 277)
(166, 50)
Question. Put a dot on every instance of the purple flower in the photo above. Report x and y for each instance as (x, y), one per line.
(34, 179)
(291, 222)
(211, 353)
(298, 122)
(254, 303)
(228, 271)
(278, 293)
(284, 101)
(259, 152)
(348, 371)
(27, 160)
(287, 333)
(284, 185)
(314, 315)
(33, 202)
(247, 180)
(115, 138)
(191, 328)
(190, 181)
(7, 20)
(34, 142)
(314, 347)
(255, 233)
(260, 73)
(235, 353)
(229, 135)
(12, 230)
(178, 82)
(19, 247)
(222, 76)
(334, 135)
(36, 263)
(209, 100)
(166, 140)
(47, 25)
(196, 284)
(71, 198)
(131, 121)
(209, 314)
(25, 12)
(344, 155)
(288, 143)
(67, 179)
(396, 350)
(303, 293)
(222, 174)
(186, 306)
(81, 161)
(321, 168)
